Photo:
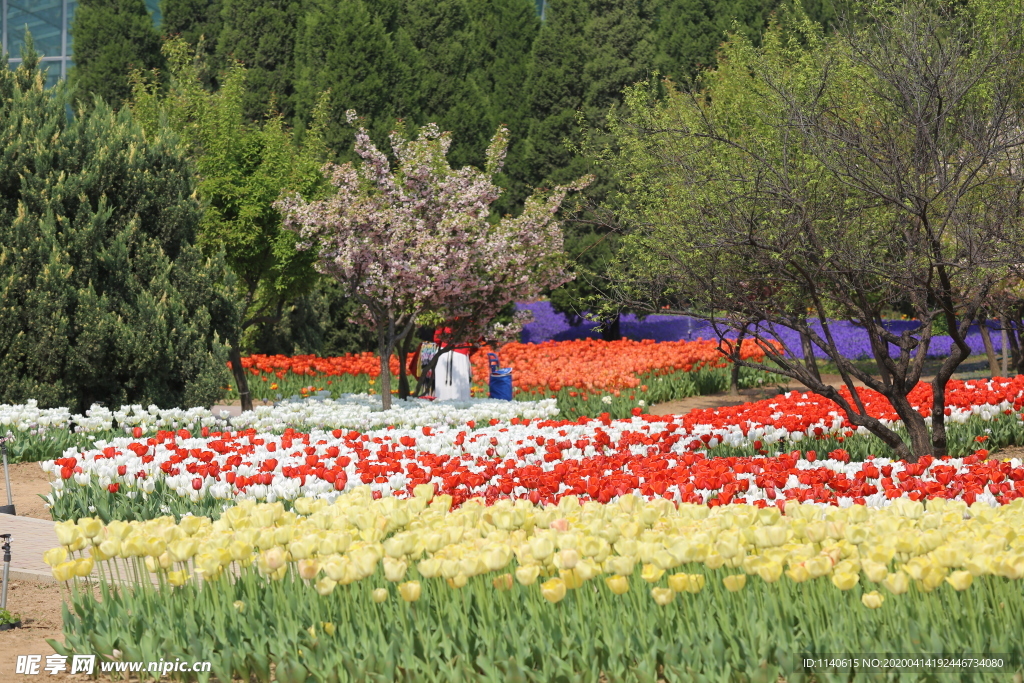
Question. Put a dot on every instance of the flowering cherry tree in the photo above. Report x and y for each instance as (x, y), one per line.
(414, 239)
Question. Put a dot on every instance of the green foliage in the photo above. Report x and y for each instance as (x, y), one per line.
(481, 634)
(109, 39)
(104, 294)
(6, 617)
(447, 56)
(344, 48)
(243, 169)
(316, 323)
(198, 23)
(261, 35)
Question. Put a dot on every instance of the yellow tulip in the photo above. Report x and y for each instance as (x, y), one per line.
(798, 573)
(90, 526)
(239, 606)
(714, 561)
(55, 556)
(67, 532)
(872, 600)
(458, 581)
(844, 581)
(553, 590)
(177, 578)
(97, 554)
(897, 582)
(734, 582)
(651, 574)
(541, 547)
(571, 577)
(191, 524)
(617, 584)
(118, 530)
(818, 566)
(182, 550)
(328, 627)
(933, 578)
(325, 585)
(308, 569)
(874, 571)
(770, 572)
(64, 571)
(816, 532)
(728, 546)
(503, 582)
(379, 595)
(410, 591)
(663, 596)
(274, 558)
(527, 575)
(394, 570)
(567, 559)
(960, 580)
(424, 491)
(620, 564)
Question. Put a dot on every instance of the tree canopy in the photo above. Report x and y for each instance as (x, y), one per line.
(105, 295)
(845, 175)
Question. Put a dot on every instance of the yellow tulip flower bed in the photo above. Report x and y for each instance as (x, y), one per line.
(411, 590)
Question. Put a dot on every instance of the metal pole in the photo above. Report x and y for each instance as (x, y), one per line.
(9, 509)
(7, 568)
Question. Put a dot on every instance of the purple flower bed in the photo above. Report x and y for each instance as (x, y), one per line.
(851, 340)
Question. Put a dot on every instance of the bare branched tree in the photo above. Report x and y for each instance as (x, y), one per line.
(839, 176)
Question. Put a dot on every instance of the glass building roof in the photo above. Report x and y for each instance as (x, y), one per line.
(48, 21)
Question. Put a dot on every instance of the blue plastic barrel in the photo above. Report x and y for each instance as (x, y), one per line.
(501, 379)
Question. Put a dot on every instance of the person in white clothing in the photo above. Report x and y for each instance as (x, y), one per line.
(452, 376)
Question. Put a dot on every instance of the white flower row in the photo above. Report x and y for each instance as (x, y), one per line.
(350, 411)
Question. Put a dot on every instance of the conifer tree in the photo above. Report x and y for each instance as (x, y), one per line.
(448, 55)
(105, 296)
(343, 47)
(198, 23)
(261, 35)
(110, 38)
(554, 92)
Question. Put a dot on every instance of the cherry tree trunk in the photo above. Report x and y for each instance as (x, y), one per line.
(241, 380)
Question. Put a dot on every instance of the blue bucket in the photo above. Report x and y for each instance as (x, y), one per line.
(501, 379)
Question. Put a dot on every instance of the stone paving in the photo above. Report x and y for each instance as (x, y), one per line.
(30, 538)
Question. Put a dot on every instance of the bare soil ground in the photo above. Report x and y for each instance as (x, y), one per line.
(39, 605)
(28, 483)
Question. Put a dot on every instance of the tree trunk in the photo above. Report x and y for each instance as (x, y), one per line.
(1011, 334)
(611, 329)
(1004, 338)
(734, 375)
(385, 343)
(241, 380)
(986, 338)
(922, 441)
(403, 372)
(809, 359)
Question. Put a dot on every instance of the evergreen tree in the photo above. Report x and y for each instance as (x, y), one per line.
(449, 55)
(105, 295)
(198, 23)
(687, 37)
(109, 39)
(243, 168)
(505, 31)
(554, 93)
(342, 47)
(261, 35)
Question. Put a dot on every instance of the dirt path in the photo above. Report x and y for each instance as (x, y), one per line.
(39, 605)
(28, 483)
